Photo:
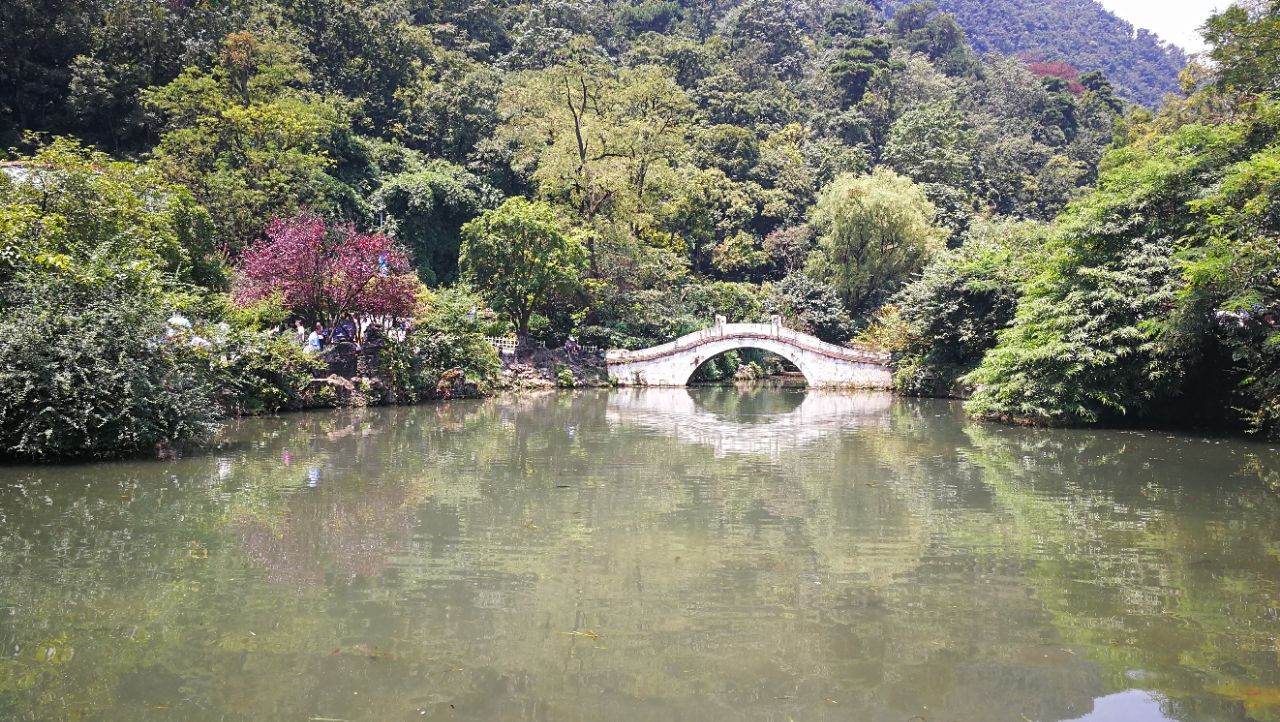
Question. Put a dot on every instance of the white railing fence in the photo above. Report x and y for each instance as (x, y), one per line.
(507, 343)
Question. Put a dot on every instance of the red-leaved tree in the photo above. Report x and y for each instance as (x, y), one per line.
(325, 271)
(1063, 71)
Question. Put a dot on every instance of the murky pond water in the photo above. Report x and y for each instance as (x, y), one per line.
(648, 555)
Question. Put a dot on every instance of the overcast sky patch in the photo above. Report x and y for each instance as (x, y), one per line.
(1176, 21)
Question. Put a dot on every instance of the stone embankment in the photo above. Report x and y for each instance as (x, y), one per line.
(546, 369)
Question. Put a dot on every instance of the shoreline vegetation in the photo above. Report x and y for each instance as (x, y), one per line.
(1012, 230)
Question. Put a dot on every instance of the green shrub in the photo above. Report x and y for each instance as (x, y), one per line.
(632, 319)
(257, 372)
(447, 334)
(270, 312)
(415, 365)
(948, 317)
(565, 379)
(86, 371)
(1231, 296)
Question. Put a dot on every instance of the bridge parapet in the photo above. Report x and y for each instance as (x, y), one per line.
(774, 330)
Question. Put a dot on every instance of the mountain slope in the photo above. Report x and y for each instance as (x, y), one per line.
(1081, 32)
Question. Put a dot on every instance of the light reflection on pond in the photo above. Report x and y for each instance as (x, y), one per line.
(648, 555)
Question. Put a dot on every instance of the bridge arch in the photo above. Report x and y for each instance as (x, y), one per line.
(712, 350)
(823, 364)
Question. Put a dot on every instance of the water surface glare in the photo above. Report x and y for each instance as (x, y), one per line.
(701, 554)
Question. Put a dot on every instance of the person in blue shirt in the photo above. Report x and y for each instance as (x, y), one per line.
(345, 330)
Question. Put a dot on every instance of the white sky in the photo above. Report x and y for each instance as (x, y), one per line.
(1175, 21)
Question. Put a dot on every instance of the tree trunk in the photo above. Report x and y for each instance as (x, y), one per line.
(524, 344)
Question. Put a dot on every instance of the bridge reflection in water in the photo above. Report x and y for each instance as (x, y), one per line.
(564, 557)
(731, 421)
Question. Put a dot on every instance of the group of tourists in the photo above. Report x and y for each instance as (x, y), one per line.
(318, 337)
(347, 330)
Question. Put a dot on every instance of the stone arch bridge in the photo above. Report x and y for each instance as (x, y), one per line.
(823, 364)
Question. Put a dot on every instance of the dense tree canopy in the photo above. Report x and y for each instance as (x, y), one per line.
(523, 258)
(77, 210)
(1082, 33)
(625, 172)
(1153, 296)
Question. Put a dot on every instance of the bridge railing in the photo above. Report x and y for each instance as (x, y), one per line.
(813, 343)
(689, 340)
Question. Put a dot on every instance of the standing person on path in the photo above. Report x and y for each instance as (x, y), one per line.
(316, 340)
(300, 332)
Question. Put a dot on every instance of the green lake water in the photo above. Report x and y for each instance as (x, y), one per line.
(701, 554)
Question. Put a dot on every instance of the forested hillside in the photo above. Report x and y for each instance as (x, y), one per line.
(683, 144)
(1153, 298)
(1082, 33)
(619, 173)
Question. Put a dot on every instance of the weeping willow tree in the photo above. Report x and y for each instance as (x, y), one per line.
(874, 231)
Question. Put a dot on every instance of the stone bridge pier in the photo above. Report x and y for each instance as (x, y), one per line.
(823, 364)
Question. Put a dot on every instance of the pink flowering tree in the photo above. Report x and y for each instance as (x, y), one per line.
(324, 271)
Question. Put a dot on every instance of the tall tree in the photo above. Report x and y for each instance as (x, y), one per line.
(767, 33)
(857, 65)
(932, 145)
(874, 231)
(248, 137)
(1246, 45)
(524, 260)
(593, 136)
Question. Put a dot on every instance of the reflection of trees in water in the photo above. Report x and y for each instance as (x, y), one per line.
(445, 552)
(347, 535)
(70, 629)
(342, 494)
(763, 578)
(748, 402)
(1152, 551)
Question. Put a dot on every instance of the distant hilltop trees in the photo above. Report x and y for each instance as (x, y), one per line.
(1080, 32)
